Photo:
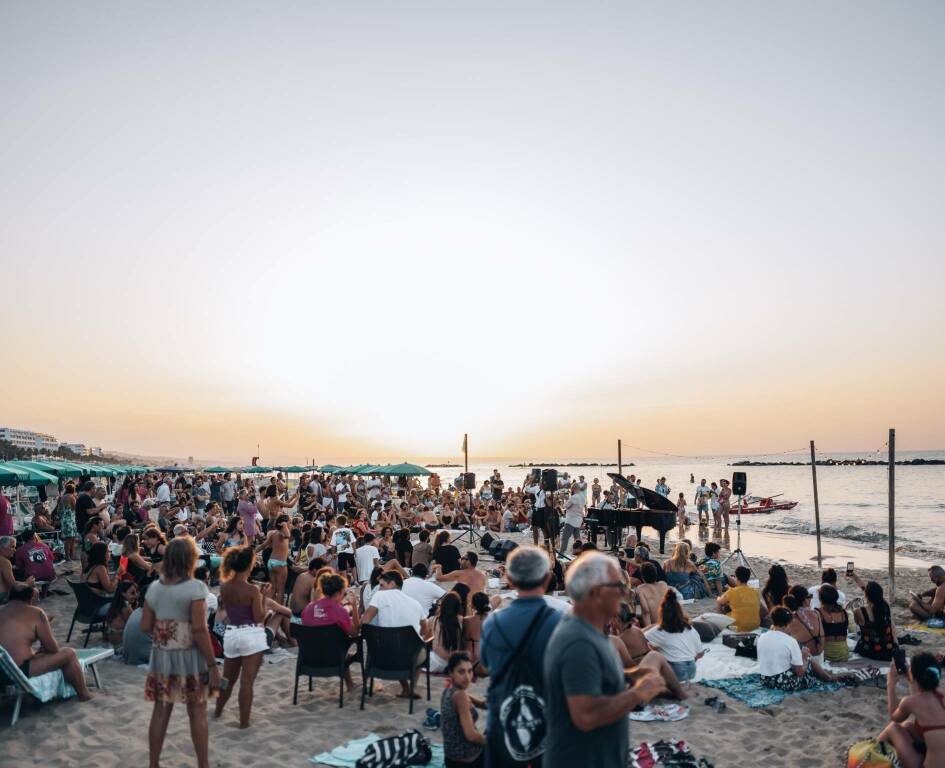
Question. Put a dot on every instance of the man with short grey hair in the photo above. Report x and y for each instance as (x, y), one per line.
(586, 697)
(505, 631)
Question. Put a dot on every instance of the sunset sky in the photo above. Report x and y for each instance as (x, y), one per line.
(340, 229)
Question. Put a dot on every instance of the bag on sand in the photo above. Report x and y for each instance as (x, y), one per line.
(410, 748)
(872, 754)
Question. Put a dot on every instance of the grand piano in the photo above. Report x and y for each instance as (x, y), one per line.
(650, 509)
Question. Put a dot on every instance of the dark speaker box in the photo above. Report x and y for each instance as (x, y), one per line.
(500, 549)
(549, 480)
(739, 483)
(469, 481)
(487, 541)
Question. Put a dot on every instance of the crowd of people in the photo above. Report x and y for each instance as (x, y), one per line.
(592, 636)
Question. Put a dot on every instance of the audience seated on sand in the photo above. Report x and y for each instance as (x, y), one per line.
(675, 638)
(806, 626)
(776, 587)
(712, 569)
(447, 631)
(782, 662)
(930, 605)
(877, 630)
(422, 589)
(649, 594)
(920, 741)
(742, 601)
(22, 624)
(122, 606)
(467, 573)
(828, 577)
(836, 623)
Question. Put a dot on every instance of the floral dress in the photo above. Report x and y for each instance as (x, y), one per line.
(67, 529)
(177, 671)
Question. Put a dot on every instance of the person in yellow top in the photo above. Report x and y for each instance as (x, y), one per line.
(743, 601)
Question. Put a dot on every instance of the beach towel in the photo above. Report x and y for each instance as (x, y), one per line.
(923, 628)
(665, 753)
(749, 690)
(666, 713)
(347, 755)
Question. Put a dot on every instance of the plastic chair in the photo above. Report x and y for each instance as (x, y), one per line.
(394, 653)
(323, 652)
(87, 610)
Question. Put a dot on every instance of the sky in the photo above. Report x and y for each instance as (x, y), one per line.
(364, 229)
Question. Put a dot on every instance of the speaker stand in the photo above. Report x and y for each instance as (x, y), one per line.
(737, 554)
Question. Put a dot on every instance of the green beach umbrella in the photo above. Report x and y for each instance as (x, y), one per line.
(329, 468)
(295, 469)
(57, 468)
(13, 473)
(216, 470)
(406, 470)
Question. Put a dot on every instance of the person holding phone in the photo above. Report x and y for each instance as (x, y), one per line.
(921, 741)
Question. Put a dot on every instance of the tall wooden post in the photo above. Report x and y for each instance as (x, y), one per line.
(466, 452)
(892, 516)
(619, 458)
(813, 471)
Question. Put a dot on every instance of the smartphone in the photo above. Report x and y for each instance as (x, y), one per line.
(850, 568)
(899, 656)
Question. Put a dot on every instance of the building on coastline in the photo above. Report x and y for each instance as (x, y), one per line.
(26, 438)
(79, 448)
(95, 451)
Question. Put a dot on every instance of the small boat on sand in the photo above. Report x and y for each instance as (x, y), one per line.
(760, 505)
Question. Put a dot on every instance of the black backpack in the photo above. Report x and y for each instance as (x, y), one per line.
(521, 716)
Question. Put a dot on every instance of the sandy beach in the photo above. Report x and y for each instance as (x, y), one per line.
(805, 730)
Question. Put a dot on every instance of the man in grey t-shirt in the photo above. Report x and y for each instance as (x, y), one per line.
(586, 699)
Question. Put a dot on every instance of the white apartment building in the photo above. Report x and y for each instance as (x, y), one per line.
(95, 451)
(25, 438)
(79, 448)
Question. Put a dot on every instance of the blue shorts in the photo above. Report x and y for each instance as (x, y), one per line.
(685, 670)
(273, 563)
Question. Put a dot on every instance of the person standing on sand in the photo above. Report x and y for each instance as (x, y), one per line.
(247, 512)
(714, 504)
(595, 492)
(725, 496)
(702, 501)
(586, 698)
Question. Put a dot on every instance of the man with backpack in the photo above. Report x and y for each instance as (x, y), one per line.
(512, 648)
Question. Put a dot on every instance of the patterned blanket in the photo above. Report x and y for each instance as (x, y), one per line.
(749, 690)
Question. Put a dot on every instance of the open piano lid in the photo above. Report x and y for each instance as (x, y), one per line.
(650, 499)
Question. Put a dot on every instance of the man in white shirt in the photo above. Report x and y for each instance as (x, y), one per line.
(366, 558)
(164, 492)
(424, 592)
(228, 494)
(829, 576)
(573, 517)
(393, 608)
(342, 489)
(343, 540)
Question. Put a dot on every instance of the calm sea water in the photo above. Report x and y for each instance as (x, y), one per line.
(853, 500)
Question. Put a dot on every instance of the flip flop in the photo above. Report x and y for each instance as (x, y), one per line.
(908, 639)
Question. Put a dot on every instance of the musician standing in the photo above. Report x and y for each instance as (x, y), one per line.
(573, 517)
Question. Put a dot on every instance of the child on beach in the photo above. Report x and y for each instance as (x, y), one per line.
(681, 516)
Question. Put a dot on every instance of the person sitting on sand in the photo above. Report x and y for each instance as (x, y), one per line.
(776, 587)
(467, 574)
(931, 603)
(877, 630)
(123, 605)
(675, 638)
(782, 662)
(302, 589)
(836, 623)
(463, 744)
(922, 741)
(743, 601)
(683, 575)
(712, 568)
(806, 626)
(650, 594)
(828, 577)
(447, 631)
(22, 624)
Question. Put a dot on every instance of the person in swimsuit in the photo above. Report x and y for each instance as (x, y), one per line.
(921, 742)
(931, 604)
(22, 624)
(278, 539)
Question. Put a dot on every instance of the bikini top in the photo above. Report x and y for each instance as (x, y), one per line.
(834, 628)
(925, 729)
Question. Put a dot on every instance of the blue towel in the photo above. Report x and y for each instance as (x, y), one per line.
(749, 690)
(347, 755)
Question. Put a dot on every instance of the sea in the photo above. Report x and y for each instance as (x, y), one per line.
(854, 501)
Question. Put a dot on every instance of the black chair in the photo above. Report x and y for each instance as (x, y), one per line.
(87, 610)
(323, 652)
(394, 653)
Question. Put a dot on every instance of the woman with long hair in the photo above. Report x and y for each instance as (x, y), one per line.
(922, 741)
(675, 638)
(472, 625)
(153, 545)
(91, 535)
(67, 526)
(132, 563)
(123, 603)
(233, 536)
(245, 640)
(836, 623)
(776, 587)
(445, 553)
(683, 574)
(96, 574)
(447, 631)
(877, 631)
(182, 661)
(806, 626)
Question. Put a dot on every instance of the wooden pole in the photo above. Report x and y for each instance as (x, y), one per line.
(813, 471)
(892, 516)
(619, 458)
(466, 452)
